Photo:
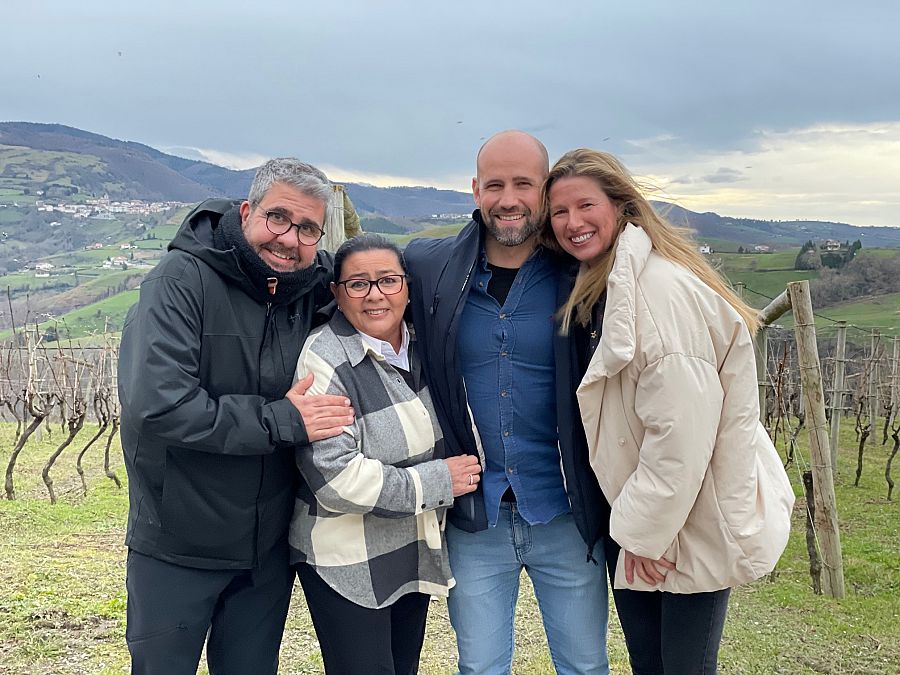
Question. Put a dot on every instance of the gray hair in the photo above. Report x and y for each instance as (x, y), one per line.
(305, 177)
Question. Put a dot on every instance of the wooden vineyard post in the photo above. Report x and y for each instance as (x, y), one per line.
(769, 314)
(334, 228)
(814, 407)
(762, 373)
(872, 370)
(837, 391)
(895, 381)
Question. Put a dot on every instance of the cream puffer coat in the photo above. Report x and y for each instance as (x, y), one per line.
(670, 407)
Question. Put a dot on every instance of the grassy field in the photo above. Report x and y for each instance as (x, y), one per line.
(62, 592)
(764, 276)
(751, 262)
(109, 313)
(438, 231)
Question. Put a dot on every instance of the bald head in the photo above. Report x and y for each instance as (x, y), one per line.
(510, 170)
(512, 145)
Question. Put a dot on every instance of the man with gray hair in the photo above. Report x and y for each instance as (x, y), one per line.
(210, 424)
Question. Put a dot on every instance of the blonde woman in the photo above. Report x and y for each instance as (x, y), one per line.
(700, 501)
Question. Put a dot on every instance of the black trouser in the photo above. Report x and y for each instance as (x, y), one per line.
(356, 639)
(672, 633)
(172, 608)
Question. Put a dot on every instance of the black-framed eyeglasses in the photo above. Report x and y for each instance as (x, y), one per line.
(308, 233)
(390, 284)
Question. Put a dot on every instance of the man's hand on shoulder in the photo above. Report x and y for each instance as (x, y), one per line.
(324, 415)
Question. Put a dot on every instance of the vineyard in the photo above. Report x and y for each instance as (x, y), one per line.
(831, 605)
(63, 383)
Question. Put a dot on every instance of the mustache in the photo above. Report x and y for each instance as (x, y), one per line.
(505, 212)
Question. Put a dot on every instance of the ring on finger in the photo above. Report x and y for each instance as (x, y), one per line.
(471, 481)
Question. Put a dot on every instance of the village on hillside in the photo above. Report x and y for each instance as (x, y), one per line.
(102, 208)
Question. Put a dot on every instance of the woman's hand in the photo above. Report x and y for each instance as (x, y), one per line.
(646, 568)
(465, 472)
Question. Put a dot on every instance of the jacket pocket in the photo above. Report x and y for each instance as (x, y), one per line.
(207, 510)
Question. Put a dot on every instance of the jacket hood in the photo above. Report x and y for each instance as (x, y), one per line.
(196, 236)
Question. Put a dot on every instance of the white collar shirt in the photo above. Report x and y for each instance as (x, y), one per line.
(397, 359)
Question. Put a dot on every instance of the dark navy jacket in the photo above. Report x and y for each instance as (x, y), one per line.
(441, 277)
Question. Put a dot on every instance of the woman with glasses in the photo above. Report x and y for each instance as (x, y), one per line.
(367, 536)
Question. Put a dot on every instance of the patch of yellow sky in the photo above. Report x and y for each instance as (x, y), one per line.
(827, 172)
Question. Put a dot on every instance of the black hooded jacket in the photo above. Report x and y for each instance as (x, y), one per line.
(208, 437)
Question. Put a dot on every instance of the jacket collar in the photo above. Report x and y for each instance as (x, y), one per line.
(196, 236)
(618, 340)
(355, 347)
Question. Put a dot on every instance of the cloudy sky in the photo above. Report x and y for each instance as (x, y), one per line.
(776, 109)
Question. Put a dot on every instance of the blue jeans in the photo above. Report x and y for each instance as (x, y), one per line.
(570, 591)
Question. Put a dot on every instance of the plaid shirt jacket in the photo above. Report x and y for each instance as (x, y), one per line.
(370, 514)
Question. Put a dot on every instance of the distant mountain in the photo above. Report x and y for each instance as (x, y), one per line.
(92, 163)
(409, 202)
(128, 170)
(777, 233)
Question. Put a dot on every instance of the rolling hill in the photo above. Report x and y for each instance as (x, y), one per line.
(83, 291)
(33, 156)
(41, 154)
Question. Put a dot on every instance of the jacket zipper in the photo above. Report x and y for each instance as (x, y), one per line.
(473, 435)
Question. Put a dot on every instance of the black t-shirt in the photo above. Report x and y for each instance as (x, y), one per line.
(502, 279)
(588, 337)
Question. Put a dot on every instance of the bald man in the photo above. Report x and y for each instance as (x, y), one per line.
(503, 382)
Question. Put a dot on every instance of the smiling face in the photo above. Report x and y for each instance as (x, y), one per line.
(377, 314)
(282, 252)
(507, 189)
(584, 220)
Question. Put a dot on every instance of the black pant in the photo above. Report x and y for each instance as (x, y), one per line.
(672, 633)
(356, 639)
(172, 608)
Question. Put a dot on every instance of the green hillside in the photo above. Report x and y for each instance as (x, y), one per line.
(99, 254)
(25, 171)
(81, 293)
(438, 231)
(91, 320)
(880, 312)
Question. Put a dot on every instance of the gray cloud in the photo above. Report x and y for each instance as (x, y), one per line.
(724, 175)
(410, 88)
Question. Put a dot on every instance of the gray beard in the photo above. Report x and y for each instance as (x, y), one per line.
(511, 236)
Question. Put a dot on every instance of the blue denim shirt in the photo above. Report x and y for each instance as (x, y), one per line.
(506, 354)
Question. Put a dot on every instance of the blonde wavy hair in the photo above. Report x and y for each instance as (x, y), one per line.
(672, 242)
